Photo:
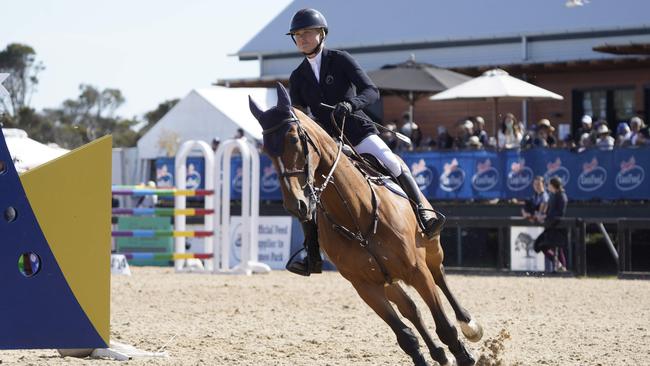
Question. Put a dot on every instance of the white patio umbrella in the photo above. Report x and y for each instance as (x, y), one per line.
(496, 85)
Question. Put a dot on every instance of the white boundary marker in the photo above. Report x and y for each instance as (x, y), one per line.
(180, 202)
(250, 207)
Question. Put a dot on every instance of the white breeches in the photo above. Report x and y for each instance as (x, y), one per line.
(376, 147)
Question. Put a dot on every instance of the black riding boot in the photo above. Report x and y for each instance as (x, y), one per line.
(312, 263)
(430, 221)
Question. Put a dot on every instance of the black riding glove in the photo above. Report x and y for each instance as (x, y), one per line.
(342, 110)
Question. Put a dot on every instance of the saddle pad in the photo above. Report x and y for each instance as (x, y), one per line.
(393, 187)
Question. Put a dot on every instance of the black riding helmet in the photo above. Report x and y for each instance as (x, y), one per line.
(307, 18)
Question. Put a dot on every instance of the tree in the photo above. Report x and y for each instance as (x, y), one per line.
(19, 61)
(154, 116)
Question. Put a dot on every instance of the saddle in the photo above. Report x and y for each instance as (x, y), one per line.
(373, 170)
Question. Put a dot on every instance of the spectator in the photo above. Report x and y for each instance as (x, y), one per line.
(479, 131)
(544, 136)
(604, 141)
(554, 239)
(412, 130)
(509, 135)
(389, 137)
(584, 143)
(148, 201)
(639, 134)
(445, 141)
(623, 134)
(428, 144)
(239, 134)
(215, 143)
(465, 131)
(535, 207)
(585, 128)
(473, 143)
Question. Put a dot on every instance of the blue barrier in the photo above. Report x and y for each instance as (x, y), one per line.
(482, 174)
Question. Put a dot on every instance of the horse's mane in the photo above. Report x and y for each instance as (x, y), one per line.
(314, 129)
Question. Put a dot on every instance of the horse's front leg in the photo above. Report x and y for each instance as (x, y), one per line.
(373, 294)
(422, 280)
(396, 294)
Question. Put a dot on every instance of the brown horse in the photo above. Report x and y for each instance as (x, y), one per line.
(367, 231)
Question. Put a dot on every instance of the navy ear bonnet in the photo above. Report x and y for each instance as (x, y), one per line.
(274, 121)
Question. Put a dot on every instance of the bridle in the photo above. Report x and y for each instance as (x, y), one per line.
(305, 140)
(358, 235)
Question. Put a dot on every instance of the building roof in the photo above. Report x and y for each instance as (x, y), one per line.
(366, 24)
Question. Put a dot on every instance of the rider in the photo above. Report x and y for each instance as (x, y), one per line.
(331, 76)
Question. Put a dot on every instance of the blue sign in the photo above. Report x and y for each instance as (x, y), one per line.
(165, 171)
(464, 175)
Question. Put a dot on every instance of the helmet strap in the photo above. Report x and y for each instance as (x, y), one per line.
(318, 46)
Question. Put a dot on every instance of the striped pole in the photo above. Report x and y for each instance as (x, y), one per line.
(163, 192)
(162, 212)
(166, 256)
(161, 233)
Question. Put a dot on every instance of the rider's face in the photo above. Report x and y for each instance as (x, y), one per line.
(307, 39)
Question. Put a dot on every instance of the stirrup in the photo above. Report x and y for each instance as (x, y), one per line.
(436, 227)
(303, 267)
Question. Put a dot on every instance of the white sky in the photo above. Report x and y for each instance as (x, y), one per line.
(150, 50)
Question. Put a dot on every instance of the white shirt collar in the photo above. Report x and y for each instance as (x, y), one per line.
(315, 63)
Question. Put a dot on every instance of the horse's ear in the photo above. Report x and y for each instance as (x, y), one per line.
(257, 112)
(284, 101)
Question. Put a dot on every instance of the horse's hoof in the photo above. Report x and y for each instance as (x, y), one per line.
(419, 360)
(438, 355)
(465, 358)
(473, 331)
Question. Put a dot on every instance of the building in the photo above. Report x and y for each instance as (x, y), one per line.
(594, 53)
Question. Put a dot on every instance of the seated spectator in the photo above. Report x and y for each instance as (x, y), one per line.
(444, 141)
(428, 144)
(215, 143)
(544, 136)
(604, 141)
(239, 134)
(473, 143)
(584, 143)
(529, 137)
(464, 132)
(535, 207)
(411, 130)
(479, 130)
(554, 239)
(510, 134)
(623, 134)
(639, 134)
(585, 128)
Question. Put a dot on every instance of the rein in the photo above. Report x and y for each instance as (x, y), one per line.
(364, 239)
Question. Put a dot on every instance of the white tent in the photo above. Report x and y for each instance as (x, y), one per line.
(27, 153)
(204, 114)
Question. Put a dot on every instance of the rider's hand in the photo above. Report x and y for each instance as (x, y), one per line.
(342, 110)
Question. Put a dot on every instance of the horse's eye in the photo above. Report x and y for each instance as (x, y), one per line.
(293, 139)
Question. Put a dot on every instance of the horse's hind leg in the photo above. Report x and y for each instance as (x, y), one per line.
(470, 327)
(407, 308)
(423, 282)
(374, 296)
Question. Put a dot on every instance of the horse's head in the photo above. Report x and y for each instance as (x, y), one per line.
(288, 145)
